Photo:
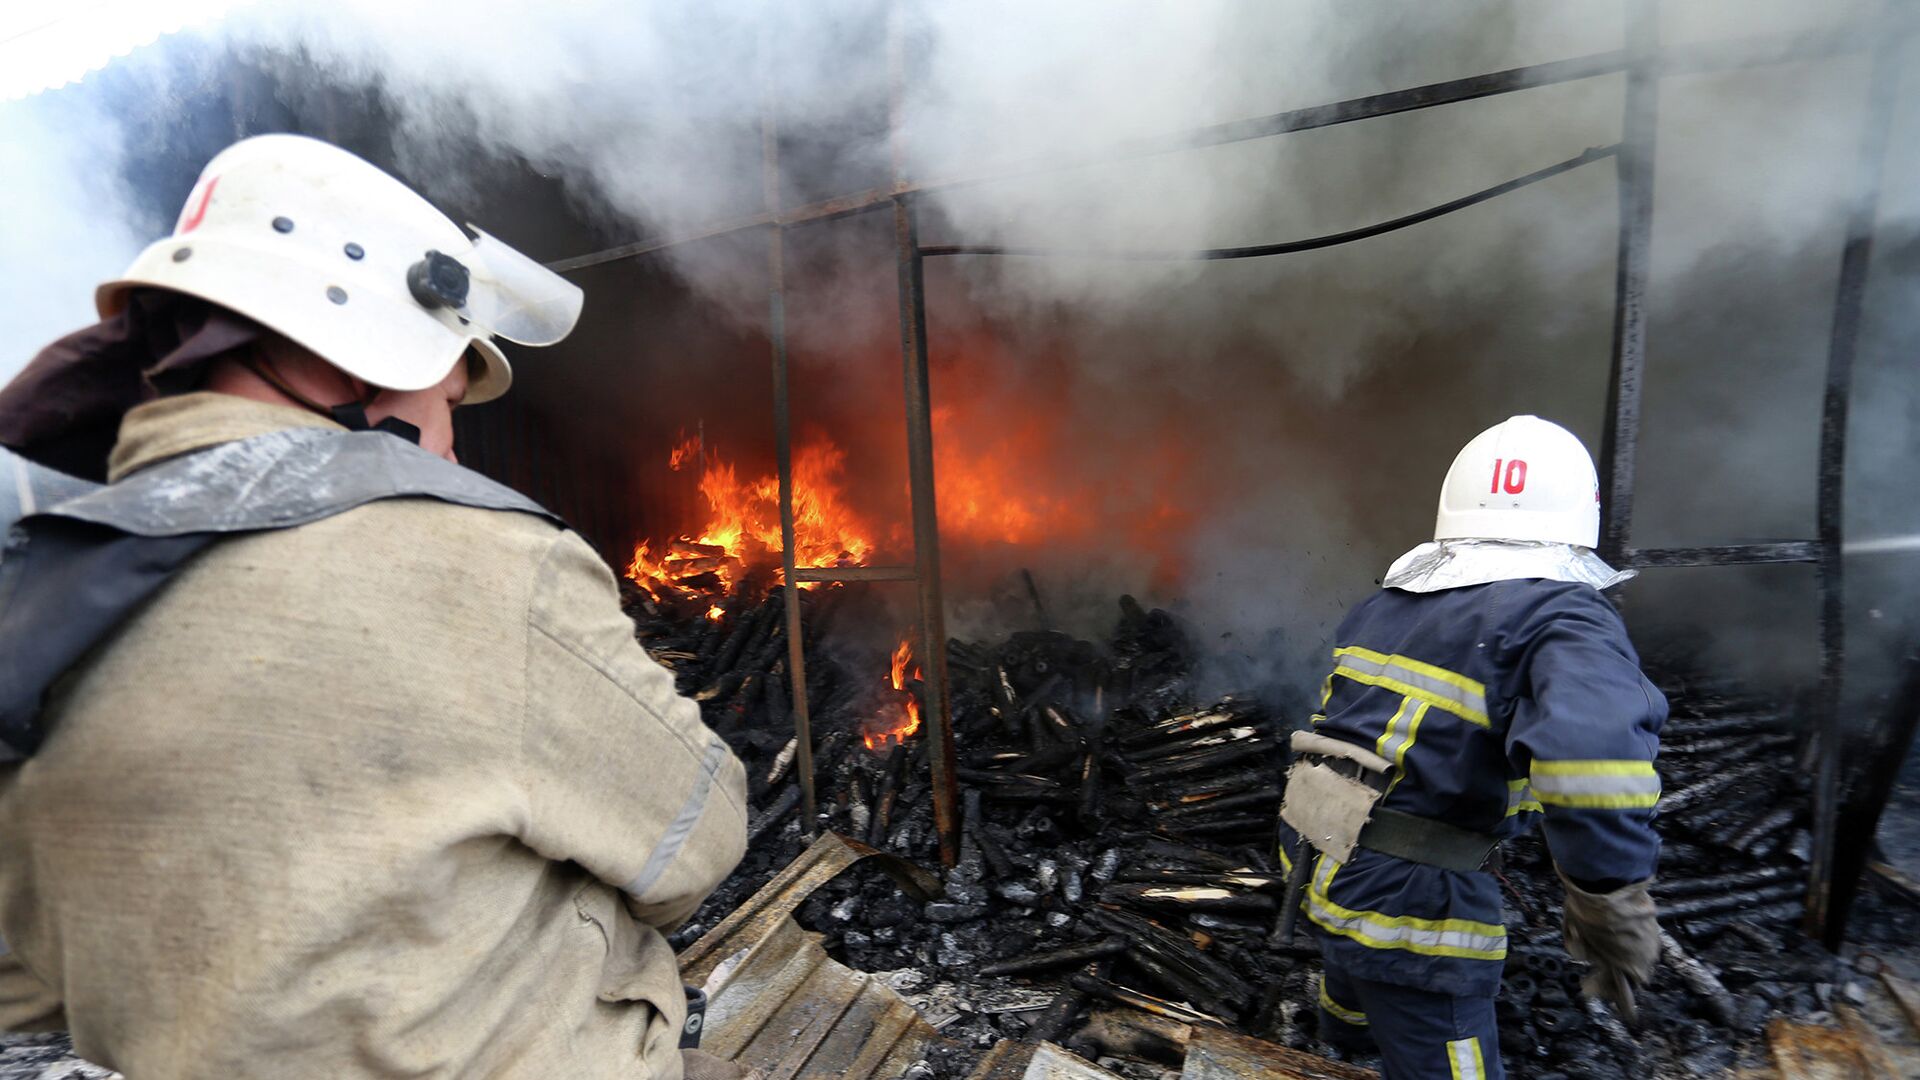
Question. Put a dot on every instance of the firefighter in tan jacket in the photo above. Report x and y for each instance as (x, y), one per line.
(324, 757)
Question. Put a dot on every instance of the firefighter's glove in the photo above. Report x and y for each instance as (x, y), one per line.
(701, 1065)
(1617, 934)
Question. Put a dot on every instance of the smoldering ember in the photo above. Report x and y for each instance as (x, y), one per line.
(1018, 428)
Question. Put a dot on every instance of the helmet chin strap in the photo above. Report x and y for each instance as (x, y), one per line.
(351, 415)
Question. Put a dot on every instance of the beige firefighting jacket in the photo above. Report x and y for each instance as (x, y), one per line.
(391, 794)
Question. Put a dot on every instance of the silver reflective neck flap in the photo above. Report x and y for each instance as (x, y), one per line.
(26, 488)
(1456, 564)
(283, 479)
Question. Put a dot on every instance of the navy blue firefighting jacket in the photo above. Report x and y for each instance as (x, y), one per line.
(1498, 704)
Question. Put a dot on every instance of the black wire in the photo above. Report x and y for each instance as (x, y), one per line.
(1258, 250)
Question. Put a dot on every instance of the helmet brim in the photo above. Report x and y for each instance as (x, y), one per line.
(493, 378)
(305, 314)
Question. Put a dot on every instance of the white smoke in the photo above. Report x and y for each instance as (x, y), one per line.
(1330, 388)
(65, 226)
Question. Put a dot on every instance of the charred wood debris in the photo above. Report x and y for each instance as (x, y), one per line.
(1117, 880)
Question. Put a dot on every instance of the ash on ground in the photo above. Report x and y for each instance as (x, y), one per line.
(46, 1056)
(1116, 876)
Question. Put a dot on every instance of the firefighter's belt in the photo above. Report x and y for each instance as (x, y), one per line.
(1333, 801)
(1430, 842)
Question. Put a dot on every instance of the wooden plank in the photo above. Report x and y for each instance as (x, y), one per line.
(1214, 1054)
(1812, 1052)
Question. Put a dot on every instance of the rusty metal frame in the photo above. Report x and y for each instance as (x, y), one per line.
(1835, 868)
(783, 443)
(1638, 128)
(1644, 61)
(931, 646)
(935, 704)
(1698, 59)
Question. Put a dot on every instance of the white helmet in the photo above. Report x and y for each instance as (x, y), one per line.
(1524, 479)
(319, 245)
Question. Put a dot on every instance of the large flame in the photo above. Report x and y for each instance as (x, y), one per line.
(1012, 463)
(742, 530)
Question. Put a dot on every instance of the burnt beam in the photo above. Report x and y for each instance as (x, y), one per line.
(1057, 958)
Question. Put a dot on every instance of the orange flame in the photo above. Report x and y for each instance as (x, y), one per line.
(686, 451)
(743, 524)
(1011, 470)
(909, 722)
(999, 492)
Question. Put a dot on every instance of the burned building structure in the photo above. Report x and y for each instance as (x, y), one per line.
(884, 483)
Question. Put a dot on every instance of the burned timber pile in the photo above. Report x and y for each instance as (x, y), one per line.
(1116, 880)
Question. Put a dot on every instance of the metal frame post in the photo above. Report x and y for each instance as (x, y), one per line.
(926, 528)
(926, 523)
(1634, 166)
(1829, 891)
(935, 706)
(783, 442)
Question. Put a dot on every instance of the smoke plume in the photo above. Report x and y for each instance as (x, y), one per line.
(1252, 441)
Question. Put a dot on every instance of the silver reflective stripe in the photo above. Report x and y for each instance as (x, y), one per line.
(1463, 1057)
(23, 485)
(1520, 798)
(1550, 785)
(1400, 729)
(1323, 871)
(682, 825)
(1382, 934)
(1453, 937)
(1469, 702)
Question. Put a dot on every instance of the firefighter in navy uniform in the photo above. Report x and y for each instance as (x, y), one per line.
(1487, 684)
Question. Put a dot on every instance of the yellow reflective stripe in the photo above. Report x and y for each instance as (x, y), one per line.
(1394, 743)
(1338, 1011)
(1600, 767)
(1469, 688)
(1601, 802)
(1461, 938)
(1453, 692)
(1520, 800)
(1380, 745)
(1599, 784)
(1323, 870)
(1463, 1058)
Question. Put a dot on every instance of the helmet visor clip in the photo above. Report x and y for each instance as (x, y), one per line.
(438, 281)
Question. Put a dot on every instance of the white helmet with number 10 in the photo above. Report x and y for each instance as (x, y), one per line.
(321, 246)
(1523, 479)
